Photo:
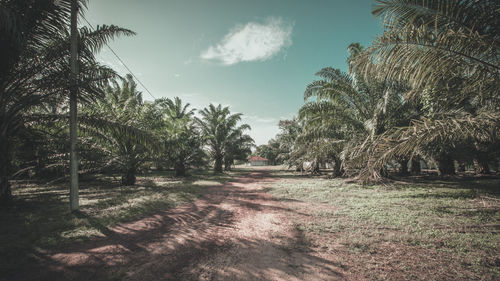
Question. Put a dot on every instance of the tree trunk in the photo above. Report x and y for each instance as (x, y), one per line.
(403, 166)
(481, 166)
(460, 166)
(415, 166)
(337, 171)
(299, 167)
(315, 167)
(5, 158)
(73, 97)
(180, 170)
(218, 164)
(383, 172)
(227, 164)
(129, 177)
(446, 166)
(5, 192)
(159, 166)
(481, 161)
(40, 164)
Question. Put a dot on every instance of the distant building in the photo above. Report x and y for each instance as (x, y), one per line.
(258, 161)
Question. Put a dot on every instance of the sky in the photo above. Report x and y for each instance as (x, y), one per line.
(255, 56)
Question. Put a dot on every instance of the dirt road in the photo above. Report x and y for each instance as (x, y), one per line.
(235, 231)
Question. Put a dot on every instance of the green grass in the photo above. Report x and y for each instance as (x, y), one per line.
(459, 219)
(39, 217)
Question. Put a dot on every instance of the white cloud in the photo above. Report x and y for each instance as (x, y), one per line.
(251, 42)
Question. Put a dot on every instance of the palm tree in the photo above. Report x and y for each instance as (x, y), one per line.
(35, 38)
(346, 111)
(22, 32)
(342, 111)
(174, 109)
(289, 130)
(183, 143)
(219, 129)
(123, 105)
(239, 148)
(338, 113)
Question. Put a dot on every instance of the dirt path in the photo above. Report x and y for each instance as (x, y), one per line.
(234, 232)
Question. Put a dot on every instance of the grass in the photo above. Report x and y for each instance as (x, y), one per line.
(421, 230)
(427, 230)
(39, 217)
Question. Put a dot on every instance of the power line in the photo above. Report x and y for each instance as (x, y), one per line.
(122, 62)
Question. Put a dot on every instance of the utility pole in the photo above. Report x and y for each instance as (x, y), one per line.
(73, 95)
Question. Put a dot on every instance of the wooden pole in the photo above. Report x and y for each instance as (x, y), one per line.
(73, 194)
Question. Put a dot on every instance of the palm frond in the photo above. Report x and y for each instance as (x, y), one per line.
(96, 39)
(451, 128)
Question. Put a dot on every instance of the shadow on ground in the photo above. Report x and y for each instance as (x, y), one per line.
(182, 243)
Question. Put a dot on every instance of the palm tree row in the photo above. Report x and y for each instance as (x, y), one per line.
(425, 90)
(35, 71)
(447, 53)
(120, 132)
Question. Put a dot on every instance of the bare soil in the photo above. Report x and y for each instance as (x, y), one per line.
(235, 231)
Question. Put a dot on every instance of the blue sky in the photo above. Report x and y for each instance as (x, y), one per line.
(255, 56)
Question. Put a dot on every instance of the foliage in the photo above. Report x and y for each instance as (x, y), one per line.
(122, 150)
(270, 151)
(343, 110)
(119, 132)
(182, 139)
(450, 48)
(34, 74)
(425, 90)
(223, 136)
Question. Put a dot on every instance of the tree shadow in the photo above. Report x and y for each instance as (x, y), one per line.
(181, 243)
